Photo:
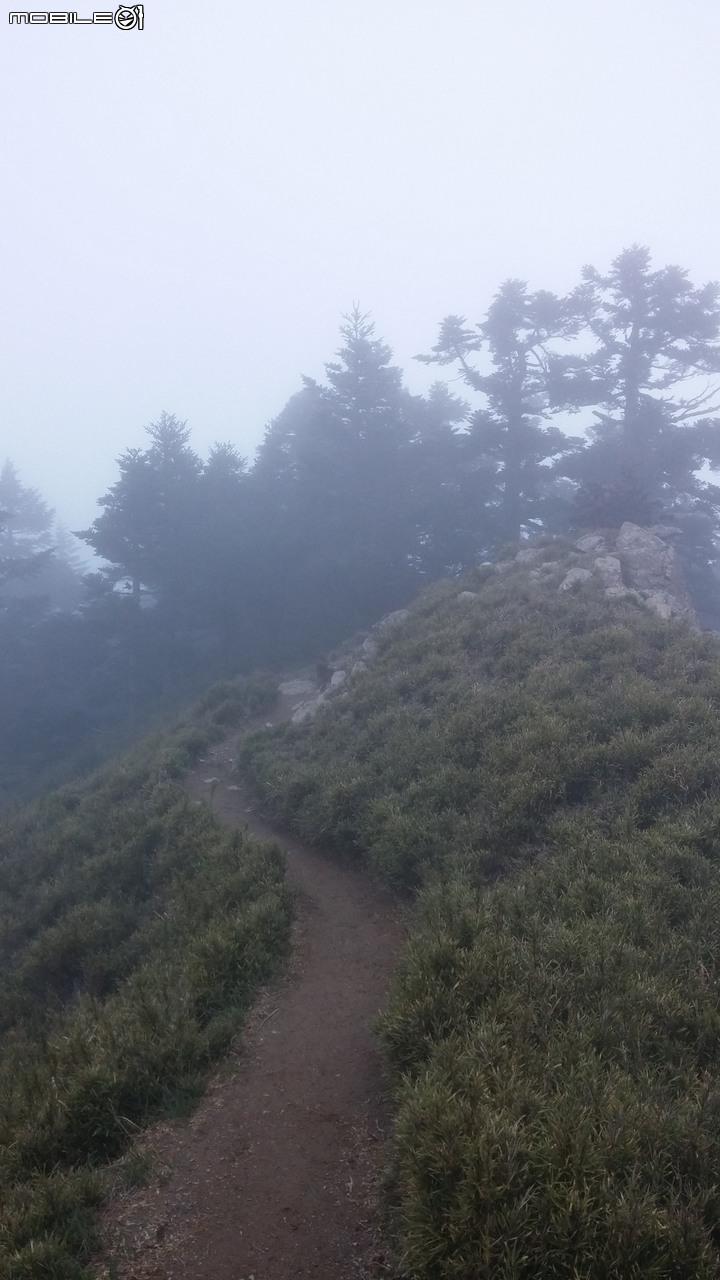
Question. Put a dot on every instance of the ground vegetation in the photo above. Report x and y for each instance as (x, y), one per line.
(134, 932)
(541, 769)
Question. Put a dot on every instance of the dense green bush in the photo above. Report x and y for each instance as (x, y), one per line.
(133, 933)
(544, 768)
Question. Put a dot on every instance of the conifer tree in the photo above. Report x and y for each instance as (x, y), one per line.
(28, 521)
(335, 475)
(26, 537)
(524, 376)
(655, 336)
(452, 491)
(146, 528)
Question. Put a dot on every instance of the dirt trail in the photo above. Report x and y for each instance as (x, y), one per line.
(275, 1175)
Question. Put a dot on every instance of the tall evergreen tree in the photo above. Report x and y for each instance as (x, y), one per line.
(654, 331)
(335, 475)
(146, 528)
(375, 416)
(655, 336)
(219, 570)
(452, 490)
(28, 526)
(527, 376)
(26, 538)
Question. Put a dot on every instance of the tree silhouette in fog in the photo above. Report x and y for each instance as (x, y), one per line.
(146, 528)
(654, 335)
(524, 375)
(335, 477)
(656, 349)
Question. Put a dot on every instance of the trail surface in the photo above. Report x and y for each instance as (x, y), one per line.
(274, 1177)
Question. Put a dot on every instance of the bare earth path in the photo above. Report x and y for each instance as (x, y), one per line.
(274, 1176)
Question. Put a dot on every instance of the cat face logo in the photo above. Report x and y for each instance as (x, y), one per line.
(126, 17)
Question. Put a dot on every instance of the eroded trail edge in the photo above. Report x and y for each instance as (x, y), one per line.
(275, 1175)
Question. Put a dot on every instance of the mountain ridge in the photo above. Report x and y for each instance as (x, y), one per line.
(540, 766)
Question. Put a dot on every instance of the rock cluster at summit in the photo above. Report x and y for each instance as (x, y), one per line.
(639, 563)
(636, 563)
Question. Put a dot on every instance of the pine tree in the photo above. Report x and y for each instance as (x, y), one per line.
(527, 375)
(146, 528)
(26, 538)
(654, 334)
(335, 474)
(451, 493)
(28, 519)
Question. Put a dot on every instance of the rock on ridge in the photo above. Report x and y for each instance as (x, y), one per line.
(636, 563)
(354, 657)
(641, 565)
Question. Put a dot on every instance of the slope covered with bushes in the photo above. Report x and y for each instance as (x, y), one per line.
(544, 769)
(133, 932)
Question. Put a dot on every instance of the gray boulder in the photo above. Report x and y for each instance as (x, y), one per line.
(624, 593)
(391, 620)
(664, 605)
(297, 688)
(650, 564)
(573, 578)
(591, 542)
(609, 571)
(655, 569)
(308, 709)
(665, 530)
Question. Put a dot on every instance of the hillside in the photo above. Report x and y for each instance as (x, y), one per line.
(542, 767)
(538, 767)
(134, 932)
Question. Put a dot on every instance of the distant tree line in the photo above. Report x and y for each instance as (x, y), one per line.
(361, 493)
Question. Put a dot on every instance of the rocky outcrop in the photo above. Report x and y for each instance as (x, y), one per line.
(652, 564)
(352, 658)
(592, 542)
(573, 578)
(635, 563)
(640, 564)
(609, 570)
(297, 688)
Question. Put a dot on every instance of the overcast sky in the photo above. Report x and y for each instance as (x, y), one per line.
(187, 210)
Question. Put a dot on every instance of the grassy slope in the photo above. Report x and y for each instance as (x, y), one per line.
(133, 931)
(545, 769)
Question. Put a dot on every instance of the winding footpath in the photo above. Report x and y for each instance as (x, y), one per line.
(275, 1175)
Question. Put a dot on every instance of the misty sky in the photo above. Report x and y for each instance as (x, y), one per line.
(188, 210)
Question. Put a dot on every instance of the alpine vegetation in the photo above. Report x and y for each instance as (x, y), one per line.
(541, 766)
(133, 933)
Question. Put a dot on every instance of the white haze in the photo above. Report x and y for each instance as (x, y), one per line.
(189, 209)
